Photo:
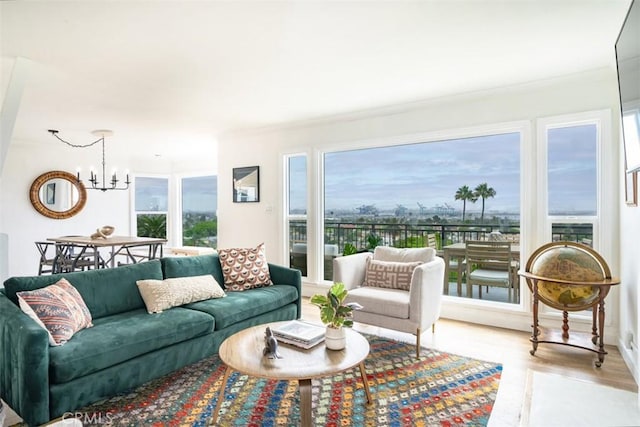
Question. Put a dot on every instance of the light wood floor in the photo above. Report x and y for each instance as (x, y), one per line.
(511, 349)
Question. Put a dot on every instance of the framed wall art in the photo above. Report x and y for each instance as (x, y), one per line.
(246, 184)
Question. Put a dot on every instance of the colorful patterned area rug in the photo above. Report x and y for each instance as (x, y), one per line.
(439, 389)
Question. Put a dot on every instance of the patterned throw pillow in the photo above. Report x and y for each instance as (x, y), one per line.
(386, 274)
(58, 308)
(159, 295)
(244, 268)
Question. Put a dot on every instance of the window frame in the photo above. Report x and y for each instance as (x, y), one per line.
(606, 171)
(287, 216)
(178, 229)
(602, 120)
(174, 204)
(315, 223)
(134, 213)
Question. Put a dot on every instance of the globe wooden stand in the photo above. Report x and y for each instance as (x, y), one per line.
(595, 340)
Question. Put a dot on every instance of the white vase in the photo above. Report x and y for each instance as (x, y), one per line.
(335, 338)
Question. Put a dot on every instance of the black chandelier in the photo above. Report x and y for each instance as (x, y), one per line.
(93, 179)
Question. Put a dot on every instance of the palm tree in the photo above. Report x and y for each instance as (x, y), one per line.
(484, 191)
(464, 194)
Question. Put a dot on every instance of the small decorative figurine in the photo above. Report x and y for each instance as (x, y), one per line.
(270, 345)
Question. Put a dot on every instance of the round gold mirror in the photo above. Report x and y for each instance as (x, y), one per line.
(57, 195)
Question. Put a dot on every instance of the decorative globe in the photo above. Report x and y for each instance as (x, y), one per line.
(571, 262)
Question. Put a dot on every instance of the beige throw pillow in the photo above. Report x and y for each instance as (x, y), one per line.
(244, 268)
(392, 275)
(159, 295)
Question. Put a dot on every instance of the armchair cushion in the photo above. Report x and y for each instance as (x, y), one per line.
(385, 302)
(387, 253)
(387, 274)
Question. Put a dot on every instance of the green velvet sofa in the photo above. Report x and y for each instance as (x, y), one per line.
(126, 346)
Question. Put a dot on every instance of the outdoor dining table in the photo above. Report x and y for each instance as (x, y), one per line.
(120, 245)
(458, 251)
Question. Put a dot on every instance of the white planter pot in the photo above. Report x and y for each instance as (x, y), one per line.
(335, 338)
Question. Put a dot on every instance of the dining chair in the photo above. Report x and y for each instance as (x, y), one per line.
(489, 263)
(71, 257)
(47, 261)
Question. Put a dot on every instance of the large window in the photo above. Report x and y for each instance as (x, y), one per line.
(183, 212)
(570, 156)
(199, 198)
(151, 206)
(296, 173)
(528, 186)
(436, 193)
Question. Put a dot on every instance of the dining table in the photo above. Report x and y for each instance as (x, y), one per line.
(457, 251)
(132, 248)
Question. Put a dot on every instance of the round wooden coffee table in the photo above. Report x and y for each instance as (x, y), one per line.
(242, 352)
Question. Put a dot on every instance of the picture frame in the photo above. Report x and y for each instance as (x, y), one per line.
(631, 188)
(246, 184)
(50, 193)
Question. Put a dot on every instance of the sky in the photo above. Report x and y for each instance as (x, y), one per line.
(199, 194)
(425, 173)
(431, 173)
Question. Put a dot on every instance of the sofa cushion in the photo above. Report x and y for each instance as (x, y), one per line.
(192, 266)
(115, 339)
(386, 274)
(159, 295)
(244, 268)
(238, 306)
(58, 308)
(106, 291)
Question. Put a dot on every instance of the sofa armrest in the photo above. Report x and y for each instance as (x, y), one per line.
(350, 269)
(426, 292)
(24, 364)
(281, 275)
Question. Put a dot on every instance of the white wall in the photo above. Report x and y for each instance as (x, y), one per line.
(262, 222)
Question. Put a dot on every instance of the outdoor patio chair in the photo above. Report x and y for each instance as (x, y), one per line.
(489, 263)
(399, 289)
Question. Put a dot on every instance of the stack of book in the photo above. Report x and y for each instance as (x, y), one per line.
(300, 334)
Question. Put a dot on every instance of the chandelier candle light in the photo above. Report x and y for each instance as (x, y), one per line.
(93, 179)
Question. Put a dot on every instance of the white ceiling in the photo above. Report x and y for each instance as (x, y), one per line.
(179, 73)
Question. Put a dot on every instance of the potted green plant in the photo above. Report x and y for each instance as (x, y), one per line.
(335, 314)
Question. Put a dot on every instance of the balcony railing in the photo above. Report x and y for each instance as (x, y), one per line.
(367, 235)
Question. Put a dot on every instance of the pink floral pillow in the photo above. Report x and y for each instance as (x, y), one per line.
(244, 268)
(58, 308)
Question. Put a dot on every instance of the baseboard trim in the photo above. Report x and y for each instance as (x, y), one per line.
(629, 359)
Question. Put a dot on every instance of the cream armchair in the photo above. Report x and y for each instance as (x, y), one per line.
(410, 311)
